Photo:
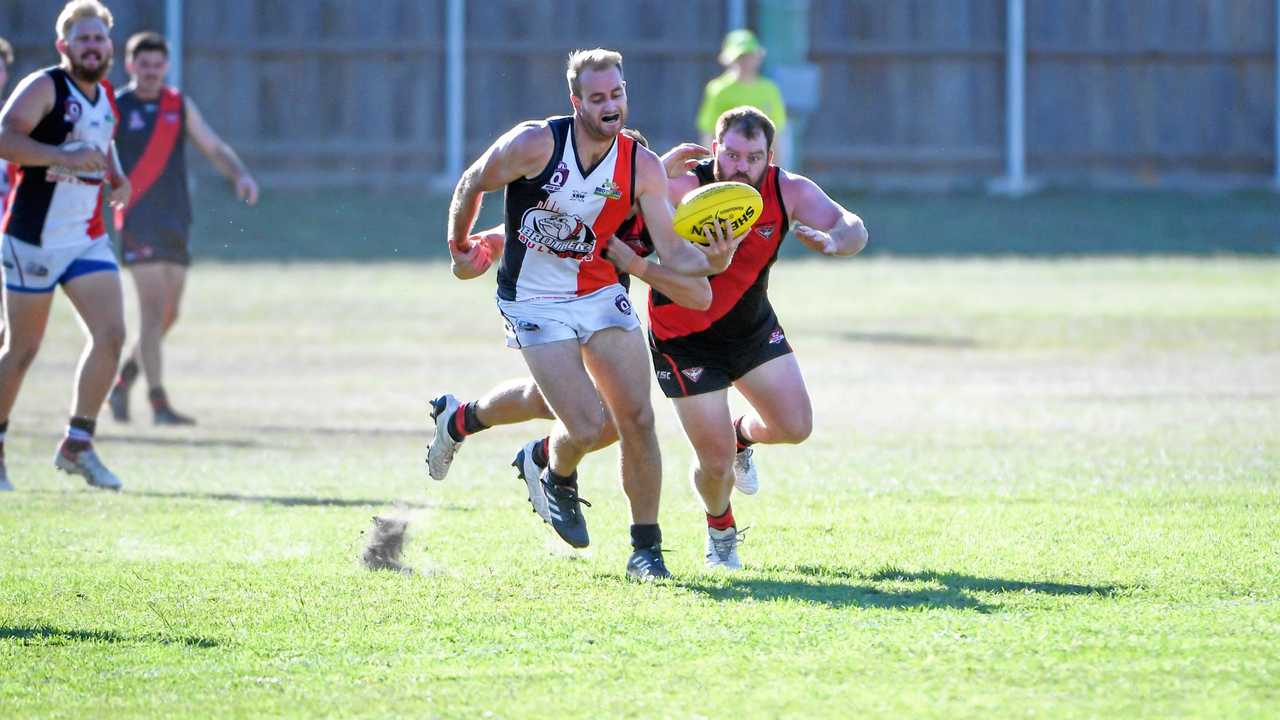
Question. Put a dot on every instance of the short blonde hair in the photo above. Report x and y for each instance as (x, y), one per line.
(596, 59)
(77, 10)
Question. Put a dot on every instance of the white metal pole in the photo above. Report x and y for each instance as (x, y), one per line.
(456, 97)
(173, 24)
(736, 14)
(1015, 105)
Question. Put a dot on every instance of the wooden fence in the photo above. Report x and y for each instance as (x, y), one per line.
(339, 92)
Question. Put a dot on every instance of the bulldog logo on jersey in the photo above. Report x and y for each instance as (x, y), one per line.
(565, 236)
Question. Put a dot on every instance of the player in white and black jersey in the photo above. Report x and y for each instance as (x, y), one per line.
(570, 183)
(58, 129)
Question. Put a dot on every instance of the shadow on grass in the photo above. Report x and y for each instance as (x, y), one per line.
(972, 583)
(46, 635)
(421, 432)
(833, 593)
(891, 338)
(298, 500)
(840, 587)
(238, 443)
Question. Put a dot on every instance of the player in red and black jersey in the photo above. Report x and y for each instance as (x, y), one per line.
(738, 341)
(155, 120)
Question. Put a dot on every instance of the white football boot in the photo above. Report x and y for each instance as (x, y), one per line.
(722, 549)
(744, 473)
(441, 450)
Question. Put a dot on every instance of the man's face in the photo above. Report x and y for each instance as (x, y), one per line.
(88, 49)
(148, 69)
(741, 160)
(602, 109)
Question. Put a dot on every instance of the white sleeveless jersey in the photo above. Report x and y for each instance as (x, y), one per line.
(559, 222)
(56, 206)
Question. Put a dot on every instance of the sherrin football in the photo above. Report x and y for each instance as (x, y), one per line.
(735, 202)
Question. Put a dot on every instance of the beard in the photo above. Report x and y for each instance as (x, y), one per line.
(84, 74)
(596, 129)
(737, 177)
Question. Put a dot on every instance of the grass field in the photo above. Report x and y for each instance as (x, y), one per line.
(1036, 488)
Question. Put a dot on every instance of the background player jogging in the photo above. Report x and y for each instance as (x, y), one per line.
(155, 228)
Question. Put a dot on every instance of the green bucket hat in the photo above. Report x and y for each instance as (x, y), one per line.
(737, 44)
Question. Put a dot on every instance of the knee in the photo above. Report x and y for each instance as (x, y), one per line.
(636, 419)
(19, 356)
(716, 460)
(109, 338)
(585, 429)
(794, 428)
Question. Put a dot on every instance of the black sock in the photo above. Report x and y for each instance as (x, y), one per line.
(743, 442)
(645, 536)
(128, 373)
(541, 452)
(563, 481)
(4, 430)
(158, 397)
(79, 433)
(465, 422)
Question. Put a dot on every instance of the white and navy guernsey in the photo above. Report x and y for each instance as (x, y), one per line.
(559, 222)
(54, 206)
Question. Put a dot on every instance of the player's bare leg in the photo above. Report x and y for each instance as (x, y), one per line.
(25, 318)
(709, 427)
(781, 410)
(97, 300)
(618, 362)
(160, 287)
(562, 378)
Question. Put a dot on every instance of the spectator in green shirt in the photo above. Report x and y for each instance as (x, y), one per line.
(741, 84)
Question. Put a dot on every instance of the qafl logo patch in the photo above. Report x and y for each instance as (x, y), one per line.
(623, 303)
(558, 178)
(776, 337)
(72, 111)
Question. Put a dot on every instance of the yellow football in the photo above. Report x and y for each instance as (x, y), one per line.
(737, 203)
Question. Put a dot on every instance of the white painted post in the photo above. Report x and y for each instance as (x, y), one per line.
(1015, 105)
(1276, 181)
(173, 24)
(455, 91)
(735, 12)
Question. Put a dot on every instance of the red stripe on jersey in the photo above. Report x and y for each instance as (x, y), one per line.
(753, 256)
(155, 157)
(98, 228)
(598, 272)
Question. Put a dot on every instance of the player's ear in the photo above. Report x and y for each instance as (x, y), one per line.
(575, 101)
(61, 45)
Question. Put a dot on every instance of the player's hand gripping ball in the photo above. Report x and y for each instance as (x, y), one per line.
(736, 203)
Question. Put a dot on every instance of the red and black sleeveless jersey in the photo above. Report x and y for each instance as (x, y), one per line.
(559, 222)
(152, 152)
(740, 306)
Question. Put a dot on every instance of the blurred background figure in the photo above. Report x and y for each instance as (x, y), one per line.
(154, 230)
(6, 170)
(741, 84)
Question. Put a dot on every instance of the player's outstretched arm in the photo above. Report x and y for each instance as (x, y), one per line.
(31, 101)
(220, 154)
(687, 290)
(674, 252)
(522, 152)
(821, 223)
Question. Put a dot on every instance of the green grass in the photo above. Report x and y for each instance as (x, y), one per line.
(1036, 488)
(346, 225)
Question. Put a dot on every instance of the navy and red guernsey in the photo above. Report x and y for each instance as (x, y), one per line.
(559, 223)
(152, 152)
(740, 308)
